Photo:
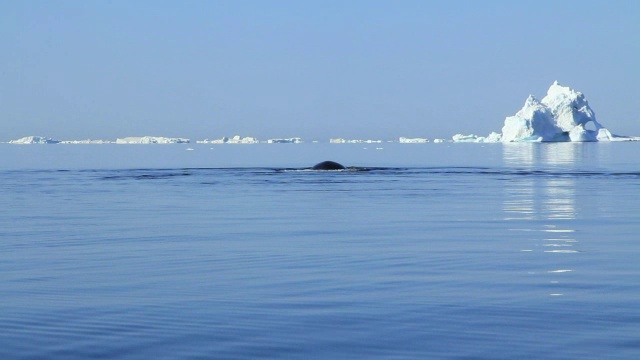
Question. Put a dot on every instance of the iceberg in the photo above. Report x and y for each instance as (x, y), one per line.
(34, 140)
(294, 140)
(151, 140)
(213, 141)
(492, 138)
(234, 140)
(569, 108)
(353, 141)
(87, 141)
(562, 115)
(243, 140)
(465, 138)
(534, 122)
(404, 140)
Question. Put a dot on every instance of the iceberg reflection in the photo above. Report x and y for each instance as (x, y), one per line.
(542, 202)
(550, 196)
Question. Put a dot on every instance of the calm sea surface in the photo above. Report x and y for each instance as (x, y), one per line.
(461, 251)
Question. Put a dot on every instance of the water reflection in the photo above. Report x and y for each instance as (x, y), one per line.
(550, 196)
(543, 203)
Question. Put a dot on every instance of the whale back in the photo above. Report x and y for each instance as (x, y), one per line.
(328, 165)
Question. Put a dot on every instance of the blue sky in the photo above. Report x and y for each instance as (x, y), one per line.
(315, 69)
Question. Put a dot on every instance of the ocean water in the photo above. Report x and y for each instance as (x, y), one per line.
(453, 251)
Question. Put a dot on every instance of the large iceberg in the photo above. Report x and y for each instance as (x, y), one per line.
(563, 115)
(569, 107)
(534, 122)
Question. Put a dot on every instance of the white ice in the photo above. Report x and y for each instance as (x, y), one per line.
(34, 140)
(150, 140)
(562, 115)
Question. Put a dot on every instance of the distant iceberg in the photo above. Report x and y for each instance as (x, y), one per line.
(563, 115)
(405, 140)
(151, 140)
(353, 141)
(237, 139)
(234, 140)
(245, 140)
(492, 138)
(213, 141)
(35, 140)
(87, 141)
(126, 140)
(294, 140)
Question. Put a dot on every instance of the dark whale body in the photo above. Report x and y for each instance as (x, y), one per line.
(328, 165)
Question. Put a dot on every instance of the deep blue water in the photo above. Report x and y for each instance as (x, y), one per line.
(461, 251)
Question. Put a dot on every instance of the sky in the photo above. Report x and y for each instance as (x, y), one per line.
(312, 69)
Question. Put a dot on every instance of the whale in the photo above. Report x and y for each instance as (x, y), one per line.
(328, 165)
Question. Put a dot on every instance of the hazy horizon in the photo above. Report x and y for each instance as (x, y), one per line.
(315, 70)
